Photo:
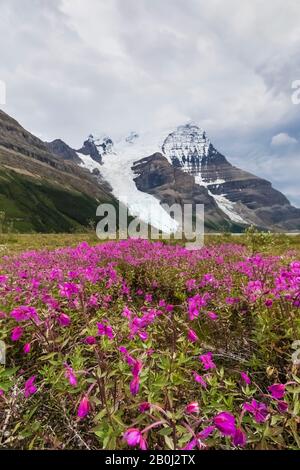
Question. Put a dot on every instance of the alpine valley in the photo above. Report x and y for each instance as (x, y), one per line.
(49, 186)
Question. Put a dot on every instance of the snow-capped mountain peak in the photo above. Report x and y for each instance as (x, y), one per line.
(186, 146)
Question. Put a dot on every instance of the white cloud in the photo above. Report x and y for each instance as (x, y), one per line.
(283, 139)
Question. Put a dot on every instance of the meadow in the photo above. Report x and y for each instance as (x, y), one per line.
(146, 345)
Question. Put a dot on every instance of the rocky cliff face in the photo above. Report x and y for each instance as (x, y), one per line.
(41, 185)
(155, 175)
(60, 148)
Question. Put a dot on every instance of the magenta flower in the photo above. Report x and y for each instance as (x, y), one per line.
(84, 407)
(137, 367)
(206, 432)
(207, 361)
(134, 437)
(212, 315)
(190, 445)
(282, 406)
(277, 391)
(192, 407)
(245, 377)
(68, 290)
(225, 423)
(90, 340)
(200, 380)
(145, 406)
(105, 330)
(257, 409)
(27, 348)
(143, 335)
(64, 320)
(134, 386)
(192, 336)
(70, 375)
(239, 438)
(16, 333)
(30, 388)
(24, 313)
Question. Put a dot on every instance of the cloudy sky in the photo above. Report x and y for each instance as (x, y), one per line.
(76, 66)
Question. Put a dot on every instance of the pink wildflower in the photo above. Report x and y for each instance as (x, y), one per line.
(27, 348)
(192, 407)
(64, 320)
(16, 333)
(70, 375)
(192, 336)
(257, 409)
(84, 407)
(239, 438)
(199, 379)
(207, 361)
(30, 388)
(134, 437)
(277, 391)
(105, 330)
(245, 378)
(225, 422)
(134, 385)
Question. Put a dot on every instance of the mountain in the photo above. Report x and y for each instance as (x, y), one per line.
(183, 166)
(41, 190)
(49, 186)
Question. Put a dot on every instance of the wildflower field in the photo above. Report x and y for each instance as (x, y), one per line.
(146, 345)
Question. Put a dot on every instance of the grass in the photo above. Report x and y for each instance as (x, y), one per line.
(18, 242)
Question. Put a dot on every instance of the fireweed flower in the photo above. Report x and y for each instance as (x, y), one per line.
(24, 313)
(277, 391)
(134, 437)
(145, 406)
(105, 330)
(30, 388)
(206, 432)
(257, 409)
(134, 386)
(27, 348)
(212, 315)
(137, 367)
(68, 289)
(199, 379)
(282, 406)
(64, 320)
(90, 340)
(192, 336)
(225, 423)
(245, 378)
(190, 445)
(143, 335)
(70, 375)
(239, 438)
(84, 408)
(127, 313)
(16, 333)
(194, 306)
(207, 361)
(192, 407)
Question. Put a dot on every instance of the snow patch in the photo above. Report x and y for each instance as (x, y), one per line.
(88, 162)
(227, 207)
